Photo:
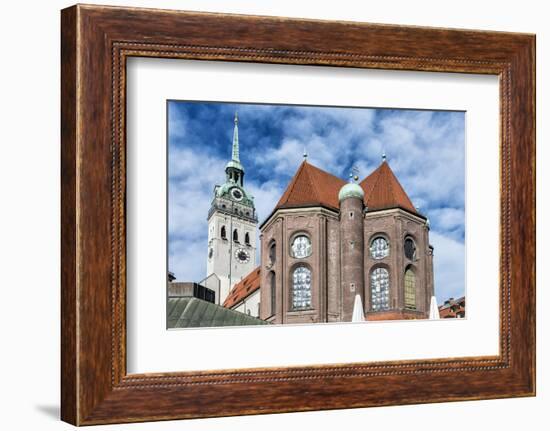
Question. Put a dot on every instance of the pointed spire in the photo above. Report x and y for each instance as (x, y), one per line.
(235, 153)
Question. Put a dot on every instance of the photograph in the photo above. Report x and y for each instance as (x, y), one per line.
(295, 214)
(316, 216)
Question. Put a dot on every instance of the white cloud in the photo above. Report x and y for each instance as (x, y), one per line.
(424, 149)
(449, 266)
(187, 259)
(177, 124)
(191, 182)
(449, 219)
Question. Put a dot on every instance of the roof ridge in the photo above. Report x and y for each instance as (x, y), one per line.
(311, 181)
(376, 174)
(398, 184)
(391, 183)
(288, 191)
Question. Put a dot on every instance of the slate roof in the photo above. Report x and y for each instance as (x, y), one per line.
(190, 312)
(247, 286)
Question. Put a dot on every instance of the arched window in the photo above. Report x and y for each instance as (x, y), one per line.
(272, 253)
(235, 236)
(380, 289)
(301, 288)
(410, 289)
(223, 233)
(273, 292)
(379, 248)
(247, 238)
(301, 247)
(410, 249)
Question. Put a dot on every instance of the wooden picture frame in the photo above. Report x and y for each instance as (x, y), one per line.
(95, 43)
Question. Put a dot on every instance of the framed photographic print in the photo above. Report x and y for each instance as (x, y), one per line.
(289, 207)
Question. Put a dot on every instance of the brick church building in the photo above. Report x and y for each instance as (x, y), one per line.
(330, 250)
(328, 242)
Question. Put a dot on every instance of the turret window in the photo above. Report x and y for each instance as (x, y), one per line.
(223, 233)
(301, 288)
(273, 292)
(379, 248)
(410, 289)
(410, 249)
(301, 247)
(380, 289)
(247, 238)
(272, 253)
(235, 236)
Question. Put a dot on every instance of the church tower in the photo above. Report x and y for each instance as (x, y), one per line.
(351, 198)
(232, 225)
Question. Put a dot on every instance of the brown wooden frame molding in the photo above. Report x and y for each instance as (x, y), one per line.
(95, 43)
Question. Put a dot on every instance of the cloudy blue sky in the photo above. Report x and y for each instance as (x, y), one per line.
(425, 149)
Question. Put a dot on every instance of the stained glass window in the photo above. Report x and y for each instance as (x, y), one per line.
(301, 288)
(301, 246)
(379, 248)
(380, 289)
(410, 289)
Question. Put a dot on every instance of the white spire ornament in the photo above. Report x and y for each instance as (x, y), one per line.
(358, 315)
(434, 309)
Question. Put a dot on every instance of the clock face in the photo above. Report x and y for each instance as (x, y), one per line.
(237, 194)
(242, 255)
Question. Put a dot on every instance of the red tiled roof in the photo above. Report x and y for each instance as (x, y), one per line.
(311, 186)
(383, 190)
(243, 288)
(453, 308)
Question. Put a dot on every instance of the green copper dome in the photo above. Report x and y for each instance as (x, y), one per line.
(351, 190)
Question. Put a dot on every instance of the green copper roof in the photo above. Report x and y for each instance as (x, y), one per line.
(235, 153)
(190, 312)
(228, 185)
(235, 161)
(351, 190)
(234, 164)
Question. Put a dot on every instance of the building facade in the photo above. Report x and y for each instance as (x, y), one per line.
(453, 308)
(232, 227)
(328, 243)
(245, 295)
